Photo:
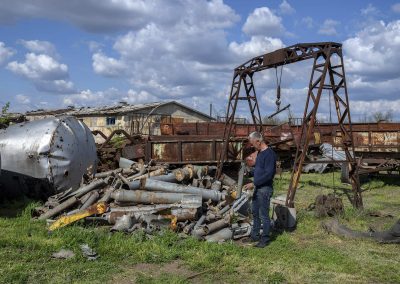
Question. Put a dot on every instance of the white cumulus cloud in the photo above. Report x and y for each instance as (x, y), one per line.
(39, 46)
(328, 28)
(262, 21)
(5, 53)
(107, 66)
(22, 99)
(257, 45)
(286, 8)
(45, 72)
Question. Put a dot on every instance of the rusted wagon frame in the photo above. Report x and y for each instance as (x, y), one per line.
(187, 149)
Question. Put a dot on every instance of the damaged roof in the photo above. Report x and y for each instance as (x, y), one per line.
(119, 109)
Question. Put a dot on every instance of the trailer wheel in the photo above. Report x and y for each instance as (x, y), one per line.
(345, 178)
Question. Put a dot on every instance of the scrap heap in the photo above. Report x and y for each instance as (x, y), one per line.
(149, 197)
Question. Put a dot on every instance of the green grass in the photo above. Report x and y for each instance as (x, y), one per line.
(307, 255)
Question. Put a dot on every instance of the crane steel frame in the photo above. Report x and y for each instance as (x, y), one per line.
(326, 76)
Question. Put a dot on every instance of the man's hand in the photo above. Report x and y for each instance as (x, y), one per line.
(248, 186)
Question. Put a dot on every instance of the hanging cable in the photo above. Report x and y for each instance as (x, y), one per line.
(278, 88)
(330, 121)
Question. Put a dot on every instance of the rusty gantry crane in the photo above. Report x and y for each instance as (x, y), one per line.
(327, 75)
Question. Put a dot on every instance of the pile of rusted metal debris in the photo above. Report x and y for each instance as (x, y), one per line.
(149, 197)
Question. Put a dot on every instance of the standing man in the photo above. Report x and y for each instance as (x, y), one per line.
(264, 172)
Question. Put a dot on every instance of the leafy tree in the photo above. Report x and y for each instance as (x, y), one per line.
(4, 116)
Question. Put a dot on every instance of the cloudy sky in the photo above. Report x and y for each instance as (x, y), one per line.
(57, 53)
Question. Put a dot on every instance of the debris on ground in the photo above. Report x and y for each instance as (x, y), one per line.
(88, 252)
(327, 157)
(149, 197)
(389, 236)
(328, 205)
(63, 254)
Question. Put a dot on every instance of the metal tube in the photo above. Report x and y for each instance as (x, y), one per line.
(200, 221)
(183, 214)
(154, 173)
(52, 212)
(168, 177)
(125, 163)
(240, 179)
(182, 174)
(140, 196)
(107, 173)
(212, 227)
(220, 236)
(199, 232)
(142, 170)
(225, 209)
(85, 189)
(107, 195)
(156, 185)
(94, 195)
(227, 180)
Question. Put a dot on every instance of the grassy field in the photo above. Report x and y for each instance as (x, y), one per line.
(307, 255)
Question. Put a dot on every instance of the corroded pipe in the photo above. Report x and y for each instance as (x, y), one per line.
(220, 236)
(156, 185)
(217, 225)
(145, 197)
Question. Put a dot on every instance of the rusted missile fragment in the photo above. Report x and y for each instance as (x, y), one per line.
(220, 236)
(170, 177)
(72, 200)
(190, 171)
(94, 195)
(183, 174)
(98, 208)
(87, 188)
(227, 180)
(145, 197)
(216, 185)
(142, 171)
(183, 214)
(157, 185)
(217, 225)
(107, 194)
(154, 173)
(199, 232)
(65, 205)
(114, 172)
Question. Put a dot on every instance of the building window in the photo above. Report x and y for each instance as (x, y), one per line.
(110, 120)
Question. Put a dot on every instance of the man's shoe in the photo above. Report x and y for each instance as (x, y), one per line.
(251, 240)
(261, 244)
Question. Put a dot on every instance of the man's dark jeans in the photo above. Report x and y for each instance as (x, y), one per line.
(260, 210)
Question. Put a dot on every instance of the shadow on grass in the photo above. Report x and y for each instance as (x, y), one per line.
(393, 180)
(13, 208)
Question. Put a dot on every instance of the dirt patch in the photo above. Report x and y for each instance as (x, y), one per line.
(151, 270)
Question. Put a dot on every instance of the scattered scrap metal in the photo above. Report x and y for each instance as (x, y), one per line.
(391, 235)
(150, 197)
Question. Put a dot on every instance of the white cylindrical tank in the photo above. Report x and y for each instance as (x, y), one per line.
(57, 151)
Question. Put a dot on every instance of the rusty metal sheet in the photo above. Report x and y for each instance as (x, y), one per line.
(197, 151)
(133, 151)
(165, 152)
(384, 138)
